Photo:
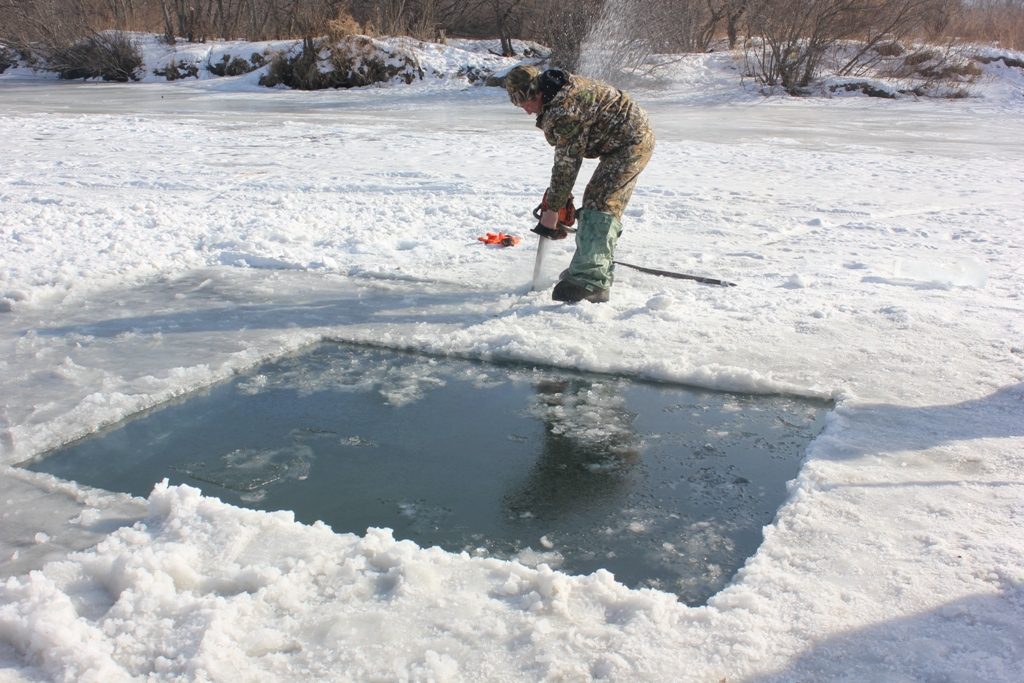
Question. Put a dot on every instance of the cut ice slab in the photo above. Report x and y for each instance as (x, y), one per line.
(662, 485)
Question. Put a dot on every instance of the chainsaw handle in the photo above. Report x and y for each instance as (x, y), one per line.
(566, 215)
(560, 232)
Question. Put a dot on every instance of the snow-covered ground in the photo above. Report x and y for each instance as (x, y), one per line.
(159, 237)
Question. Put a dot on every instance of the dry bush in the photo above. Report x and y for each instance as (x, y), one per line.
(49, 23)
(793, 41)
(413, 18)
(341, 26)
(110, 55)
(874, 23)
(8, 58)
(931, 66)
(429, 20)
(932, 70)
(353, 62)
(790, 39)
(921, 55)
(201, 20)
(891, 48)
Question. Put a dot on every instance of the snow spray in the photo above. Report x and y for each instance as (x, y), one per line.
(616, 46)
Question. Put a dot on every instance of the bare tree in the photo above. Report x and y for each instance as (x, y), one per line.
(791, 38)
(415, 18)
(872, 21)
(36, 21)
(188, 19)
(787, 39)
(563, 26)
(122, 13)
(507, 21)
(996, 21)
(734, 11)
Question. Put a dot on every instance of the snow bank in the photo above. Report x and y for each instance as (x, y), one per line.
(405, 59)
(205, 591)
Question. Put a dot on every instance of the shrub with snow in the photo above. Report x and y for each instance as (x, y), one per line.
(110, 55)
(235, 66)
(8, 58)
(351, 62)
(175, 70)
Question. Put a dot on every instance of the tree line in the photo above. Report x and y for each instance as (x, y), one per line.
(781, 29)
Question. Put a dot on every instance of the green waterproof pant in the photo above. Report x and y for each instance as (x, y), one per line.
(604, 202)
(596, 234)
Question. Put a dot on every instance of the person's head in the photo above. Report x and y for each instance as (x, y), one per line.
(521, 84)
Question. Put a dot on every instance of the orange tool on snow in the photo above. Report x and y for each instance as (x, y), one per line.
(501, 238)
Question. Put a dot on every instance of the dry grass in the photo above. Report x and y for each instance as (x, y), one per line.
(343, 26)
(996, 22)
(892, 48)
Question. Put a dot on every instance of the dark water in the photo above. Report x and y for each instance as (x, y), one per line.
(662, 485)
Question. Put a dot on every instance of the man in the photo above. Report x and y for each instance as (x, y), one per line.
(586, 119)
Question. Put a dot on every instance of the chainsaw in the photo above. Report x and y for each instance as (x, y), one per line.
(566, 219)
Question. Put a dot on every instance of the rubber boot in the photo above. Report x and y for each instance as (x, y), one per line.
(591, 270)
(571, 292)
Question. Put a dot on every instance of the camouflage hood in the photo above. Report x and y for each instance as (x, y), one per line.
(521, 84)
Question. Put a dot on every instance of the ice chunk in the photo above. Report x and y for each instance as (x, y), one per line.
(965, 273)
(798, 281)
(660, 302)
(249, 470)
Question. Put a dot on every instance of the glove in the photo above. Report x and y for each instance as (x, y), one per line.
(566, 214)
(557, 233)
(501, 238)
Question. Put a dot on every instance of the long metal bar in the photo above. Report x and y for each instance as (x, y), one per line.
(678, 276)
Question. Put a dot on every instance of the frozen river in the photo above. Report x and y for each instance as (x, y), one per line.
(949, 128)
(161, 239)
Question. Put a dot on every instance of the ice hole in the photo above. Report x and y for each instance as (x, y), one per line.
(663, 485)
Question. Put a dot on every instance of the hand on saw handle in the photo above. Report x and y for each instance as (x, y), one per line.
(554, 224)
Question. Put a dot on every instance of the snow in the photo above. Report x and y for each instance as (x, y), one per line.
(160, 237)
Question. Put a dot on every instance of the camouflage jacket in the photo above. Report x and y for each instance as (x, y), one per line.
(586, 120)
